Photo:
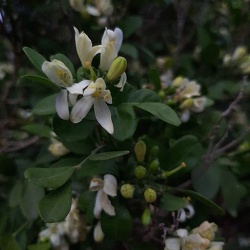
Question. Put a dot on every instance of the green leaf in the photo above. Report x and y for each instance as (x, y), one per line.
(118, 227)
(143, 95)
(39, 79)
(107, 155)
(7, 242)
(161, 111)
(172, 203)
(46, 106)
(49, 177)
(154, 77)
(129, 50)
(38, 129)
(69, 131)
(66, 61)
(16, 194)
(31, 195)
(196, 196)
(124, 120)
(130, 24)
(55, 206)
(40, 246)
(36, 59)
(86, 202)
(232, 190)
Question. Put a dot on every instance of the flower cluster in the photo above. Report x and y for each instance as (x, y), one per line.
(91, 90)
(200, 238)
(239, 59)
(183, 94)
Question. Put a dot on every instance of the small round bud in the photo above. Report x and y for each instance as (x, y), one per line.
(140, 172)
(187, 103)
(127, 191)
(150, 195)
(154, 164)
(171, 102)
(177, 81)
(161, 94)
(140, 150)
(117, 68)
(154, 151)
(146, 217)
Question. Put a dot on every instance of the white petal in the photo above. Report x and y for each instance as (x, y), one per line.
(182, 216)
(98, 204)
(108, 54)
(62, 107)
(72, 98)
(119, 38)
(172, 244)
(77, 88)
(103, 115)
(182, 232)
(110, 185)
(106, 205)
(122, 81)
(185, 115)
(81, 109)
(98, 233)
(189, 211)
(90, 89)
(92, 10)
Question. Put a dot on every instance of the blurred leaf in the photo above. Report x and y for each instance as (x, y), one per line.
(36, 59)
(124, 121)
(38, 129)
(31, 195)
(83, 147)
(66, 61)
(172, 203)
(46, 106)
(161, 111)
(55, 206)
(86, 203)
(40, 246)
(232, 190)
(49, 177)
(210, 54)
(16, 194)
(118, 227)
(129, 50)
(203, 37)
(129, 25)
(7, 242)
(69, 131)
(154, 77)
(143, 95)
(107, 155)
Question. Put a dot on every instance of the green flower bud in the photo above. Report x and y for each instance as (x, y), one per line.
(154, 151)
(117, 68)
(140, 172)
(171, 102)
(127, 191)
(146, 217)
(177, 81)
(154, 164)
(161, 94)
(187, 104)
(140, 150)
(150, 195)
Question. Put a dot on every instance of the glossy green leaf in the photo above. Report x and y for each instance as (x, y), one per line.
(172, 203)
(124, 121)
(129, 50)
(161, 111)
(143, 95)
(36, 59)
(55, 206)
(196, 196)
(118, 227)
(49, 177)
(46, 106)
(8, 242)
(38, 129)
(69, 131)
(107, 155)
(31, 195)
(66, 61)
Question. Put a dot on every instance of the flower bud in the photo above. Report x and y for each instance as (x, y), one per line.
(98, 233)
(127, 191)
(150, 195)
(57, 148)
(177, 81)
(140, 150)
(239, 53)
(161, 94)
(140, 172)
(154, 164)
(146, 217)
(187, 103)
(117, 68)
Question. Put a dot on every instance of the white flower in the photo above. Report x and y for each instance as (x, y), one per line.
(98, 233)
(188, 89)
(206, 230)
(199, 104)
(77, 5)
(84, 47)
(105, 187)
(195, 242)
(172, 244)
(122, 82)
(186, 213)
(111, 44)
(97, 95)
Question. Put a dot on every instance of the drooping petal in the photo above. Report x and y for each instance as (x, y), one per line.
(106, 205)
(62, 107)
(122, 81)
(98, 233)
(90, 89)
(103, 115)
(110, 185)
(81, 109)
(96, 184)
(77, 88)
(93, 11)
(118, 38)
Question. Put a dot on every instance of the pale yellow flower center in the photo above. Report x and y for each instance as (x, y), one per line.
(63, 76)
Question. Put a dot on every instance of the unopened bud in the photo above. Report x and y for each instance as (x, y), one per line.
(239, 53)
(150, 195)
(171, 102)
(140, 172)
(127, 191)
(187, 103)
(154, 151)
(146, 217)
(140, 150)
(161, 94)
(154, 164)
(177, 81)
(117, 68)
